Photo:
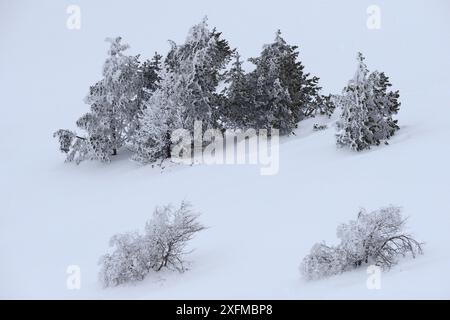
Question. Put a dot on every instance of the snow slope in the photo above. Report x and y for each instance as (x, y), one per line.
(53, 214)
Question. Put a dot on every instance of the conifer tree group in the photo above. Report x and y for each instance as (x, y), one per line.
(137, 105)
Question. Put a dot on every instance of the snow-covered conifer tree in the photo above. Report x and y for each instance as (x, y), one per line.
(115, 99)
(163, 112)
(115, 103)
(284, 93)
(198, 62)
(367, 109)
(186, 92)
(354, 130)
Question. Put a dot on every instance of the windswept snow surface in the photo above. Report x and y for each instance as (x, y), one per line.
(53, 214)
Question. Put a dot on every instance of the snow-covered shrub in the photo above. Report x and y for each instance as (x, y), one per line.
(161, 246)
(377, 237)
(169, 232)
(323, 261)
(128, 262)
(319, 127)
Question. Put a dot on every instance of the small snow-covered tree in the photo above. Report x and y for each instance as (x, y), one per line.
(367, 109)
(115, 104)
(199, 62)
(273, 106)
(162, 114)
(163, 245)
(186, 92)
(114, 100)
(284, 93)
(377, 237)
(353, 127)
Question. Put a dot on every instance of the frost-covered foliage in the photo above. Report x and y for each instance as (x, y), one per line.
(149, 70)
(115, 104)
(324, 106)
(386, 104)
(163, 245)
(186, 93)
(377, 237)
(92, 147)
(367, 110)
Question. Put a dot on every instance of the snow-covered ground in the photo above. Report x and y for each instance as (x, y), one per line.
(53, 214)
